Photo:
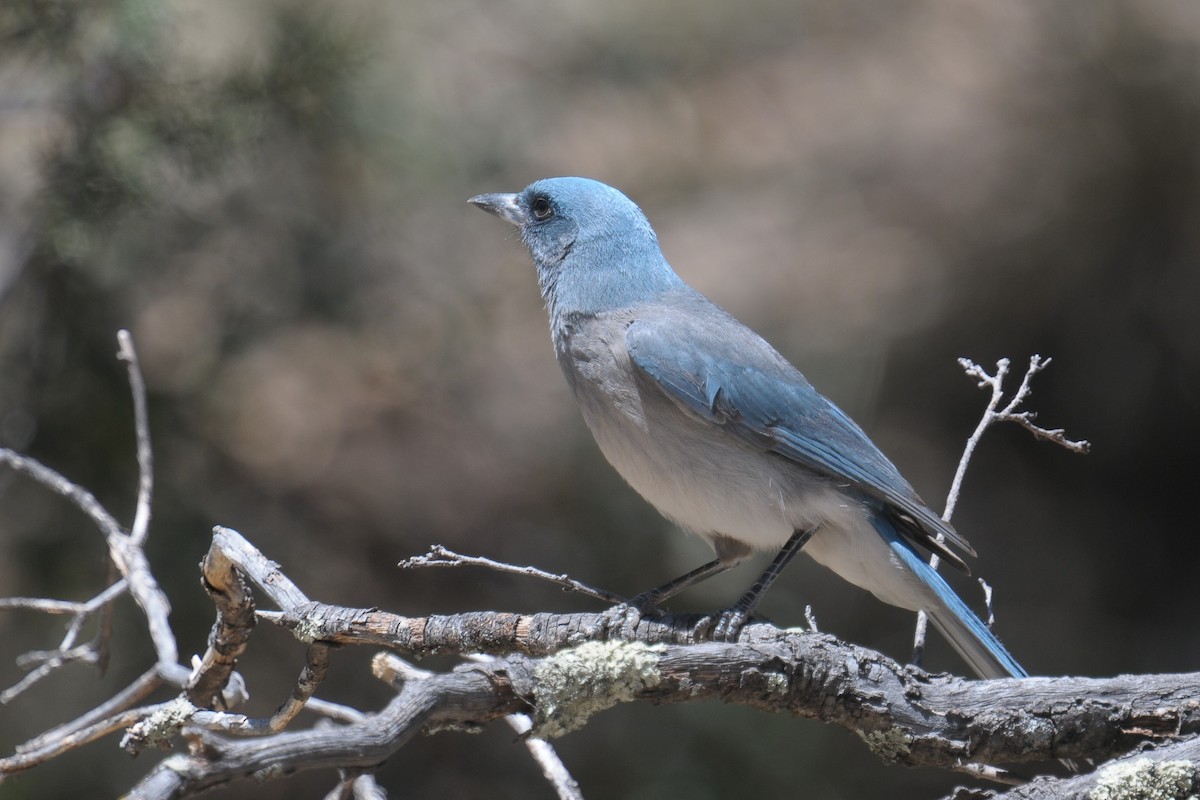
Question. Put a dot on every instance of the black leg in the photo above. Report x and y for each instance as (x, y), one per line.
(648, 599)
(626, 615)
(730, 623)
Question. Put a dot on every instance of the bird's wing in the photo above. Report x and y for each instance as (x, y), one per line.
(733, 379)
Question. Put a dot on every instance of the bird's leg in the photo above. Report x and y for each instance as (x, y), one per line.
(649, 599)
(628, 615)
(730, 623)
(730, 553)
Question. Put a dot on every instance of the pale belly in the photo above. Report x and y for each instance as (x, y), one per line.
(715, 485)
(714, 488)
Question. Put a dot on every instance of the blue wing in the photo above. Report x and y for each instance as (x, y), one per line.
(725, 374)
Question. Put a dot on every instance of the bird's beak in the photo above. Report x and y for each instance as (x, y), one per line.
(504, 206)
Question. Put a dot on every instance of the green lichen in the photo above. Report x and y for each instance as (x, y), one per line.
(157, 729)
(1143, 779)
(777, 683)
(574, 684)
(307, 629)
(890, 745)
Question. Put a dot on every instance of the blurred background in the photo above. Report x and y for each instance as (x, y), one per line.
(347, 363)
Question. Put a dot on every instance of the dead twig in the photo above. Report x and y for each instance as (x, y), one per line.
(439, 556)
(992, 414)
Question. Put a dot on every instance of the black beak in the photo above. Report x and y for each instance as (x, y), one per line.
(504, 206)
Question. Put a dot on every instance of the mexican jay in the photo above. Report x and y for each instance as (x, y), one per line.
(716, 429)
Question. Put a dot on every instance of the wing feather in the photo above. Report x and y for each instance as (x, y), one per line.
(745, 387)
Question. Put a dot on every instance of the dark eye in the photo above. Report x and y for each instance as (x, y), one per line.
(541, 208)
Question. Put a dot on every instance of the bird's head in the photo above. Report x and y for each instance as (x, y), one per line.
(593, 247)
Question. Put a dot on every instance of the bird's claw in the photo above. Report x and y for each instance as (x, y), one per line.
(621, 617)
(729, 625)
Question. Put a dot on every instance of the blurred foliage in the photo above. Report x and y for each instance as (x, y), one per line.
(347, 363)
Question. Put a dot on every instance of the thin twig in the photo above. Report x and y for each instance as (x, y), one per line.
(990, 773)
(991, 415)
(48, 748)
(44, 605)
(811, 619)
(129, 558)
(129, 573)
(47, 661)
(141, 425)
(547, 758)
(40, 659)
(367, 788)
(439, 556)
(84, 500)
(316, 666)
(103, 638)
(169, 718)
(97, 603)
(987, 602)
(122, 701)
(335, 711)
(396, 671)
(344, 789)
(543, 753)
(125, 551)
(48, 665)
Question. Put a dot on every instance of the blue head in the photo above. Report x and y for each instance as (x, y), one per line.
(593, 247)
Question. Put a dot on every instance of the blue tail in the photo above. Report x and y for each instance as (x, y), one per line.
(978, 646)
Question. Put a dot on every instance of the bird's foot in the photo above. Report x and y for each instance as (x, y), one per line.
(729, 625)
(624, 617)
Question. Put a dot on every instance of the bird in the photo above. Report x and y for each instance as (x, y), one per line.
(717, 430)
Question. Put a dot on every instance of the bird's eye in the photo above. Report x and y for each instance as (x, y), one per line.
(541, 208)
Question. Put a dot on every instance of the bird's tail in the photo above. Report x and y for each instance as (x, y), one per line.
(978, 646)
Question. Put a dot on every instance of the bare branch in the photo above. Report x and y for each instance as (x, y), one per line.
(46, 662)
(356, 786)
(365, 788)
(1168, 770)
(44, 605)
(124, 549)
(233, 547)
(315, 668)
(230, 632)
(169, 718)
(543, 753)
(553, 768)
(84, 500)
(817, 676)
(439, 556)
(471, 692)
(46, 747)
(141, 423)
(395, 671)
(334, 711)
(988, 772)
(991, 415)
(137, 691)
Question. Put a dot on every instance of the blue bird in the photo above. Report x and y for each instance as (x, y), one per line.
(717, 430)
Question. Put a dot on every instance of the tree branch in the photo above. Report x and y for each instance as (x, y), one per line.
(471, 694)
(991, 415)
(939, 720)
